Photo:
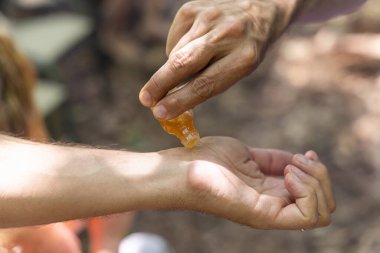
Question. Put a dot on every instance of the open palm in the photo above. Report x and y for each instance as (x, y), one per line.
(267, 189)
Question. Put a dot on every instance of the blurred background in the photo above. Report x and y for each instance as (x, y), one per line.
(318, 88)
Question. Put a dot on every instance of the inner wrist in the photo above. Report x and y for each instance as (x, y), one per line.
(159, 178)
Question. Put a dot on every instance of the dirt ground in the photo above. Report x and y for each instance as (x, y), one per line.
(310, 93)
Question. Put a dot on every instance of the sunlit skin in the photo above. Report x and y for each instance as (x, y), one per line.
(265, 189)
(211, 45)
(19, 114)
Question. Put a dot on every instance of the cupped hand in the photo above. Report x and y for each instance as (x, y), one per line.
(211, 45)
(265, 189)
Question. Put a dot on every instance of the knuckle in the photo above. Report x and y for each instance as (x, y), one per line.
(188, 10)
(232, 28)
(251, 56)
(250, 59)
(176, 104)
(326, 221)
(156, 84)
(236, 27)
(203, 87)
(312, 220)
(179, 61)
(245, 4)
(210, 14)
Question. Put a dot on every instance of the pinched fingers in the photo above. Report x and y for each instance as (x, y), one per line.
(310, 165)
(324, 213)
(215, 79)
(202, 24)
(179, 67)
(215, 52)
(310, 209)
(303, 213)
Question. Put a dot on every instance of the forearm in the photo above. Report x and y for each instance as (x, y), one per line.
(42, 183)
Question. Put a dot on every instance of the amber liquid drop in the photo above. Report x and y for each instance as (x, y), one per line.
(183, 128)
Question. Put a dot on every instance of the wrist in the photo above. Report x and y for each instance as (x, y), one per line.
(154, 180)
(288, 11)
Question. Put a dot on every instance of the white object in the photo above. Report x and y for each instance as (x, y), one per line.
(49, 96)
(34, 3)
(144, 243)
(46, 38)
(4, 28)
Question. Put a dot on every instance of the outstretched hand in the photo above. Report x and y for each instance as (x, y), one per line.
(265, 189)
(211, 45)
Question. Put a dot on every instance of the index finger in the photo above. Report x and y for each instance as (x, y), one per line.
(180, 66)
(182, 23)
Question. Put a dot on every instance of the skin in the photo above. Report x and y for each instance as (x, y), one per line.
(211, 45)
(42, 239)
(266, 189)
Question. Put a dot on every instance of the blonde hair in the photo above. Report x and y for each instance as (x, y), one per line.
(18, 114)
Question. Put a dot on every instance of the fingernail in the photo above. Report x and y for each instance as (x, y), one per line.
(302, 159)
(160, 112)
(146, 99)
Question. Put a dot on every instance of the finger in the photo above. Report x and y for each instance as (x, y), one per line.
(319, 172)
(201, 26)
(312, 155)
(179, 67)
(215, 79)
(304, 212)
(324, 214)
(271, 161)
(182, 23)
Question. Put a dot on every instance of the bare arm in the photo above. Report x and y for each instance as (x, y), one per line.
(41, 183)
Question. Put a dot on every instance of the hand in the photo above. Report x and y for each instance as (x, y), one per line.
(265, 189)
(212, 44)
